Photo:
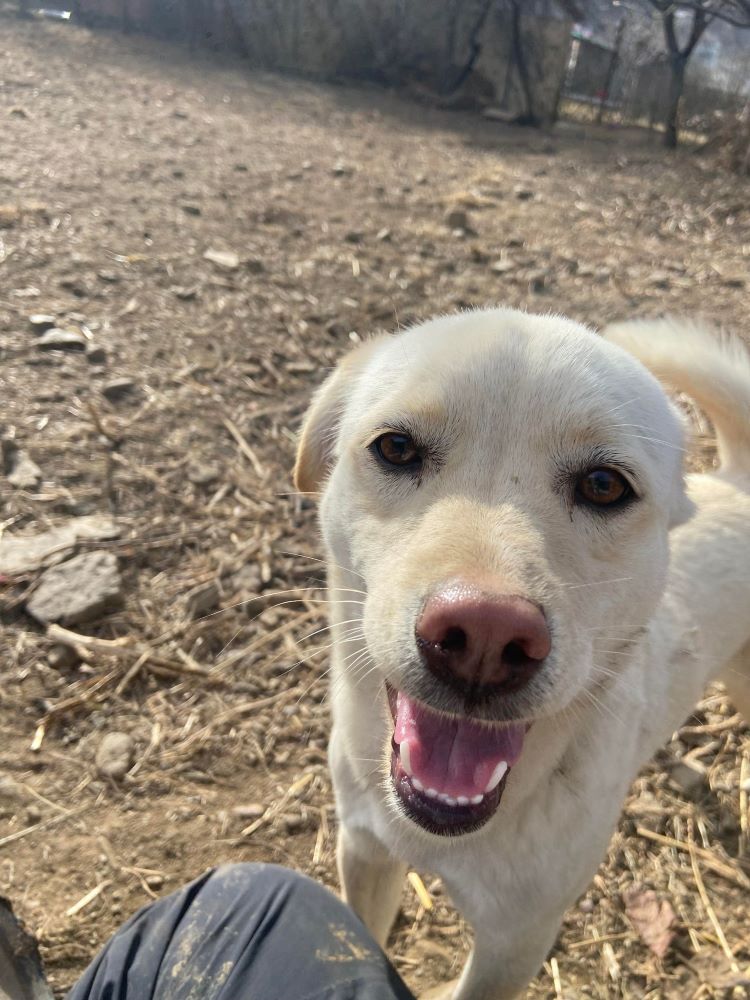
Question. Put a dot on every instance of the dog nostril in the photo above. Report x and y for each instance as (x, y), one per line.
(454, 641)
(514, 655)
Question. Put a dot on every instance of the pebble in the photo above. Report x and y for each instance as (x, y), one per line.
(457, 218)
(202, 599)
(523, 193)
(253, 810)
(56, 339)
(24, 473)
(203, 473)
(41, 322)
(79, 590)
(226, 259)
(96, 355)
(118, 389)
(60, 657)
(115, 755)
(690, 781)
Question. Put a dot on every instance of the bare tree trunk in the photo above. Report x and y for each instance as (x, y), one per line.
(611, 69)
(678, 58)
(474, 49)
(528, 115)
(676, 86)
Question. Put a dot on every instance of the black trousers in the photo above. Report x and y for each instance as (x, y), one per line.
(243, 932)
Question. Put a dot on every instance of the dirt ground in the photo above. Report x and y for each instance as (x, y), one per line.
(123, 162)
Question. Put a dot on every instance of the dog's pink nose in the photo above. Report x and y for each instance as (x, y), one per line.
(482, 639)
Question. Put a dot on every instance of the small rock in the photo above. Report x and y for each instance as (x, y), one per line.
(586, 905)
(115, 755)
(523, 193)
(154, 881)
(384, 235)
(734, 281)
(203, 473)
(457, 218)
(202, 599)
(353, 236)
(537, 281)
(186, 294)
(660, 279)
(118, 389)
(690, 781)
(61, 657)
(514, 242)
(502, 266)
(41, 322)
(191, 209)
(292, 823)
(33, 814)
(112, 277)
(56, 339)
(226, 259)
(96, 355)
(24, 473)
(254, 266)
(23, 553)
(77, 590)
(340, 169)
(253, 810)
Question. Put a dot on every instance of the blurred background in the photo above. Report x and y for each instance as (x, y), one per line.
(203, 205)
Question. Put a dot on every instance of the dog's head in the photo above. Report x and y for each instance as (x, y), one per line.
(499, 488)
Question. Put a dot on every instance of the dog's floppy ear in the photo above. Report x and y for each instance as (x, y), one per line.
(321, 423)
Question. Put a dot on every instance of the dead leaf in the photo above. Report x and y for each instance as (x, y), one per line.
(651, 917)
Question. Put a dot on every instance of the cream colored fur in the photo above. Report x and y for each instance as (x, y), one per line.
(644, 606)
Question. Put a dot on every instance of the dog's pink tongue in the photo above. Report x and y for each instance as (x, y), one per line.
(452, 755)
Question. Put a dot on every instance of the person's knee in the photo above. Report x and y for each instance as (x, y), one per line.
(256, 878)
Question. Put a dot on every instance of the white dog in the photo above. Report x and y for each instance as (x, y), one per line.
(527, 599)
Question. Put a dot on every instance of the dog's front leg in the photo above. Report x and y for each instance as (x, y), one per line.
(371, 880)
(501, 965)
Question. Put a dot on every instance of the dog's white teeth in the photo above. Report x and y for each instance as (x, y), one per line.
(476, 800)
(431, 793)
(403, 750)
(462, 800)
(497, 776)
(416, 783)
(451, 801)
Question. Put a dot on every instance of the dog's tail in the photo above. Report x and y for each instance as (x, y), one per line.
(713, 369)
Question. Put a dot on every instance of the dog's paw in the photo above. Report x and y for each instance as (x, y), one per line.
(443, 992)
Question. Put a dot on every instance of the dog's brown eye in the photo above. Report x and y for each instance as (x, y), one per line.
(397, 449)
(603, 488)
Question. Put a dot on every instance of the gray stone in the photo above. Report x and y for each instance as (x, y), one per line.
(23, 553)
(115, 755)
(202, 599)
(118, 389)
(41, 322)
(78, 590)
(61, 340)
(24, 473)
(203, 473)
(96, 355)
(226, 259)
(253, 810)
(689, 780)
(62, 657)
(457, 218)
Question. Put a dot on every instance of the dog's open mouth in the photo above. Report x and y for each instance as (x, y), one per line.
(448, 771)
